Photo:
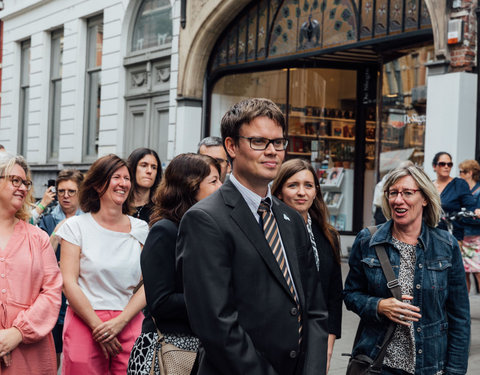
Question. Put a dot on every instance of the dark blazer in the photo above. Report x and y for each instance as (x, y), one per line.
(163, 285)
(238, 301)
(331, 281)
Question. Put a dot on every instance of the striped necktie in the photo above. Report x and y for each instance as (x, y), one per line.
(272, 235)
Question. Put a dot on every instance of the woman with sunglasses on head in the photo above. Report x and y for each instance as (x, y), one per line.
(67, 185)
(470, 172)
(297, 185)
(454, 192)
(30, 281)
(146, 169)
(101, 270)
(188, 179)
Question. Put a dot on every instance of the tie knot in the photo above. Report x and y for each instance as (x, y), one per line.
(264, 206)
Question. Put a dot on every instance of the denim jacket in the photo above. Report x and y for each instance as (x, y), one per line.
(442, 335)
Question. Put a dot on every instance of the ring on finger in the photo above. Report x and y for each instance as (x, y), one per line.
(401, 317)
(106, 334)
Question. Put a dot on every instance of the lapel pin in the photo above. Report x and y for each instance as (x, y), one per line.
(286, 217)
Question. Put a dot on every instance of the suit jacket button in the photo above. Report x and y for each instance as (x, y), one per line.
(294, 311)
(293, 354)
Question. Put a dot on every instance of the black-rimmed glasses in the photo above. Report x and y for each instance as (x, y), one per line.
(445, 164)
(17, 181)
(260, 143)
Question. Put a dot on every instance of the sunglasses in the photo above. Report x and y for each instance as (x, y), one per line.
(445, 164)
(463, 171)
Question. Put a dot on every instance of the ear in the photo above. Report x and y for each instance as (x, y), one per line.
(230, 147)
(424, 203)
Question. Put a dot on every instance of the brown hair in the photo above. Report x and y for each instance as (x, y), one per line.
(70, 175)
(7, 162)
(179, 186)
(97, 181)
(471, 165)
(318, 211)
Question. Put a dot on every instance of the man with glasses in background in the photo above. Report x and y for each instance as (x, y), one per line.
(213, 146)
(250, 281)
(66, 187)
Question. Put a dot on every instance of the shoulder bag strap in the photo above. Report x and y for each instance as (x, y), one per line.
(394, 286)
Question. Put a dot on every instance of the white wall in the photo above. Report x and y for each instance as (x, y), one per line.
(451, 118)
(35, 20)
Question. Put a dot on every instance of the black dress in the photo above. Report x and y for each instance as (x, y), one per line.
(330, 275)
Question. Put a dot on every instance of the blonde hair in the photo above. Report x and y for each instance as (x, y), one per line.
(471, 165)
(7, 162)
(432, 211)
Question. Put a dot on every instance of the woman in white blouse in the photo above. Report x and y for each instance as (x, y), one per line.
(101, 268)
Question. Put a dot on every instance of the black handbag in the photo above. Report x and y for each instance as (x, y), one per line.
(362, 364)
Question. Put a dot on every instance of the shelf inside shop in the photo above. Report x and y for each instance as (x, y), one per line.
(299, 153)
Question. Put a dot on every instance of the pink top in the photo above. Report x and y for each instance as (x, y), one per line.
(30, 298)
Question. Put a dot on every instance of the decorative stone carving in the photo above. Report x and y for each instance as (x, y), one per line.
(438, 15)
(163, 74)
(139, 79)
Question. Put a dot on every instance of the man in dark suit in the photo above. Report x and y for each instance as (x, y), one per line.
(250, 280)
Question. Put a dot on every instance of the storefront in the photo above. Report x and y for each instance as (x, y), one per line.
(350, 77)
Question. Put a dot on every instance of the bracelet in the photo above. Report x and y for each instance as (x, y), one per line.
(41, 206)
(53, 234)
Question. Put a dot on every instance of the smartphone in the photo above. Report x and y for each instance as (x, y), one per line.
(51, 183)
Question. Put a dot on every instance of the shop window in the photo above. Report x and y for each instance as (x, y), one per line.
(153, 25)
(93, 86)
(404, 108)
(322, 128)
(24, 97)
(320, 106)
(55, 93)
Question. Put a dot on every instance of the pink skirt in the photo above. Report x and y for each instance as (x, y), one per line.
(471, 253)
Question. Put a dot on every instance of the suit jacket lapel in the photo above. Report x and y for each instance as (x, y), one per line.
(242, 215)
(286, 228)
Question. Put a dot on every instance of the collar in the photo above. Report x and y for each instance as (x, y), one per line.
(58, 214)
(383, 235)
(253, 199)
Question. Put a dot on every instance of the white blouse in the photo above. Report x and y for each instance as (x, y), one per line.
(109, 260)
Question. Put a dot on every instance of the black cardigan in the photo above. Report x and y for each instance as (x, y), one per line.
(163, 285)
(330, 275)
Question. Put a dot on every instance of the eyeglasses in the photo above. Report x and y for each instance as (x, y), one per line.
(406, 194)
(17, 181)
(463, 171)
(62, 192)
(260, 144)
(445, 164)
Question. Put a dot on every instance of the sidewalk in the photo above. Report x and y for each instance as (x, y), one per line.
(350, 320)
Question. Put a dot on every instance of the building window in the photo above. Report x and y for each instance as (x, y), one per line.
(55, 94)
(93, 88)
(153, 26)
(24, 97)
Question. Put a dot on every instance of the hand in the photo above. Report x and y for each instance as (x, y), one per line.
(107, 331)
(9, 340)
(48, 196)
(54, 239)
(399, 312)
(7, 359)
(112, 348)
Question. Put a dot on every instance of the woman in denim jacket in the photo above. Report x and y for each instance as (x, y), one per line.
(433, 319)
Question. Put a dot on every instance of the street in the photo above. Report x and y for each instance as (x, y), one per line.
(349, 328)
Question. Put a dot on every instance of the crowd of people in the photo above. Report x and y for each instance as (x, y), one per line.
(228, 253)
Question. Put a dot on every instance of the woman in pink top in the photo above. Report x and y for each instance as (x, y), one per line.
(30, 281)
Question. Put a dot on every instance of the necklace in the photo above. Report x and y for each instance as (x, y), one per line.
(139, 210)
